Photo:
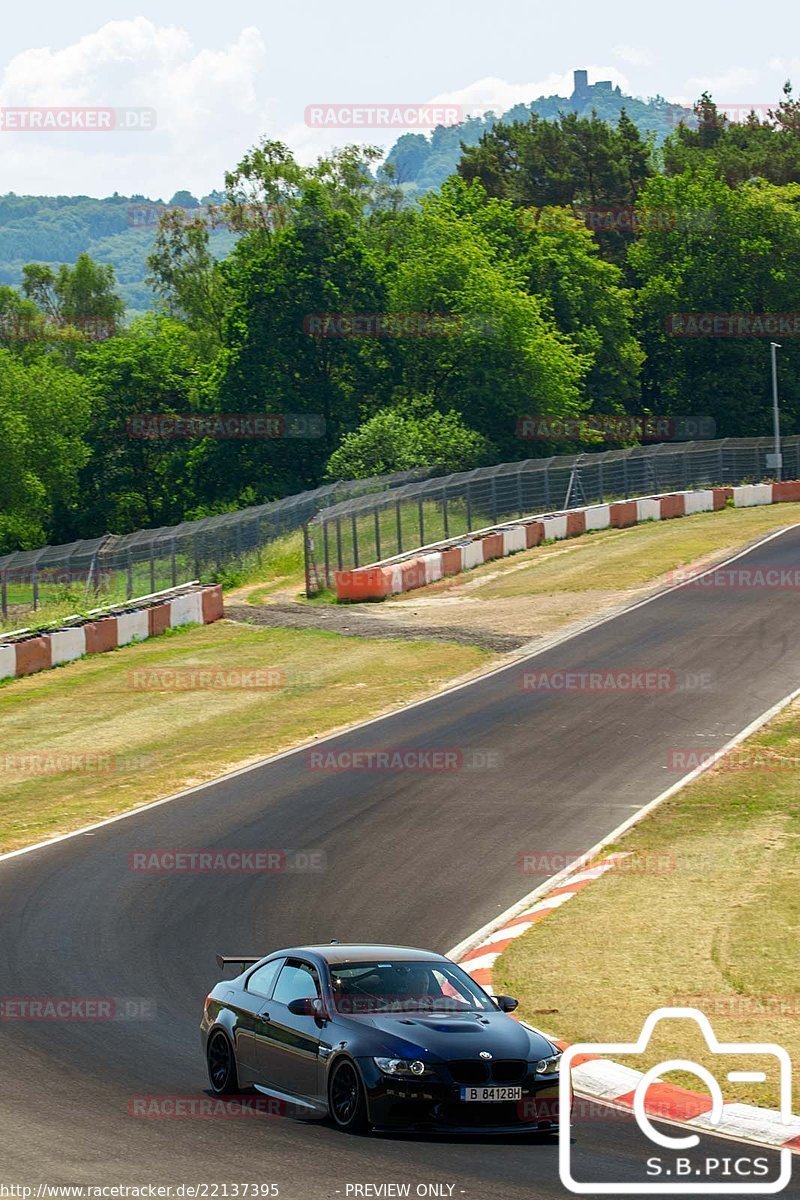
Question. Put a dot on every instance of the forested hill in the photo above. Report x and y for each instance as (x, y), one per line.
(118, 230)
(423, 163)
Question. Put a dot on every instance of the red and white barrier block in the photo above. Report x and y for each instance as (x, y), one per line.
(424, 566)
(25, 653)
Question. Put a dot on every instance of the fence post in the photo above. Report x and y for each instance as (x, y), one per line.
(307, 560)
(469, 507)
(519, 493)
(399, 524)
(339, 542)
(421, 521)
(175, 564)
(152, 569)
(4, 593)
(444, 513)
(325, 552)
(354, 528)
(625, 476)
(129, 574)
(377, 534)
(494, 499)
(35, 579)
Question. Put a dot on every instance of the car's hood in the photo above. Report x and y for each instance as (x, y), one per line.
(455, 1035)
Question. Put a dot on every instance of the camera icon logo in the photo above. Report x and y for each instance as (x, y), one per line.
(668, 1179)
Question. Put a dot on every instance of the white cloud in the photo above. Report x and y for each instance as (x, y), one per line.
(208, 110)
(737, 85)
(637, 56)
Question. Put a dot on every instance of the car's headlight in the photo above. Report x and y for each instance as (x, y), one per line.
(409, 1068)
(548, 1066)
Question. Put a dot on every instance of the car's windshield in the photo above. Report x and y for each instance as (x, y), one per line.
(388, 986)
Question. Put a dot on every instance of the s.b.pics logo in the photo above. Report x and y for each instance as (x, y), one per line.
(674, 1162)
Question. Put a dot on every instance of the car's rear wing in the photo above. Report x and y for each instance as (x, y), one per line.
(227, 960)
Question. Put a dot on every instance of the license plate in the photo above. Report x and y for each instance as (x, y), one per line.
(485, 1095)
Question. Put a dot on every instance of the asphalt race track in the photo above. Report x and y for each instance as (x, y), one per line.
(413, 857)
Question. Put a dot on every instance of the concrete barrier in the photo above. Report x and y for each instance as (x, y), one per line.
(534, 534)
(555, 527)
(66, 645)
(788, 490)
(623, 514)
(33, 654)
(576, 523)
(132, 626)
(433, 566)
(22, 653)
(212, 603)
(484, 546)
(750, 494)
(101, 635)
(597, 516)
(513, 539)
(452, 560)
(186, 609)
(8, 662)
(158, 619)
(648, 509)
(492, 546)
(700, 501)
(672, 506)
(472, 555)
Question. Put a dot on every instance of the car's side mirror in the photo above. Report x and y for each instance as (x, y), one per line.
(307, 1007)
(506, 1003)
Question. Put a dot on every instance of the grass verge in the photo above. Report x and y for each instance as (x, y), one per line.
(136, 732)
(706, 913)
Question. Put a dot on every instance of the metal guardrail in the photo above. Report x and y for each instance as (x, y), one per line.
(366, 529)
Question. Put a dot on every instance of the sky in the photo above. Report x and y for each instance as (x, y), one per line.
(211, 79)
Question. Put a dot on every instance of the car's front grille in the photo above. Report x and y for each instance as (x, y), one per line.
(469, 1071)
(472, 1072)
(509, 1070)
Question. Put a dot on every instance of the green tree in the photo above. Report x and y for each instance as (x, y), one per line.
(411, 434)
(731, 250)
(44, 416)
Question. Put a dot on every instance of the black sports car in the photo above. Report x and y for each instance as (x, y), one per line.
(379, 1037)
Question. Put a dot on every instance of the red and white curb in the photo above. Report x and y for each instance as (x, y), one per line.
(602, 1079)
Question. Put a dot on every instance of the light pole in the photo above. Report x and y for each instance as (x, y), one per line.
(776, 420)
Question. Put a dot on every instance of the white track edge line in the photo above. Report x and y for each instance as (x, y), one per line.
(515, 663)
(517, 909)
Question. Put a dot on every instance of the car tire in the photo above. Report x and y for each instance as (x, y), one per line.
(221, 1062)
(347, 1101)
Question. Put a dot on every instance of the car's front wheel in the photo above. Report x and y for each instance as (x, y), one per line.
(346, 1098)
(221, 1065)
